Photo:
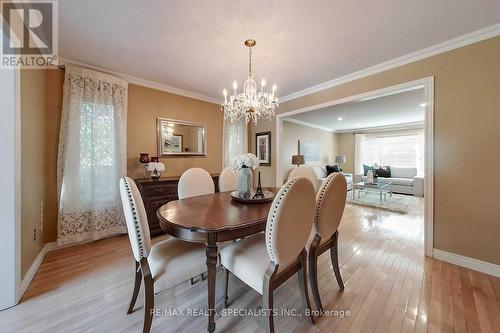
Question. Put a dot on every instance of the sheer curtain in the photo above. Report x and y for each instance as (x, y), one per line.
(92, 156)
(399, 149)
(235, 140)
(359, 149)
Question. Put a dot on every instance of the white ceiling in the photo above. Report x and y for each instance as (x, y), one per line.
(197, 45)
(397, 109)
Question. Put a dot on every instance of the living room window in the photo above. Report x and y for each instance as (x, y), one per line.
(401, 149)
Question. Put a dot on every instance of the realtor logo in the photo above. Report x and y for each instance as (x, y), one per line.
(29, 34)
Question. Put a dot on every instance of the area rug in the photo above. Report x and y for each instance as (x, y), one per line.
(398, 203)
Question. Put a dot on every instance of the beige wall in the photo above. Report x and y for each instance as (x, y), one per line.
(293, 132)
(32, 164)
(145, 105)
(467, 82)
(345, 144)
(54, 80)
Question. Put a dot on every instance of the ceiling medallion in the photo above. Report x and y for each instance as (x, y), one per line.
(250, 103)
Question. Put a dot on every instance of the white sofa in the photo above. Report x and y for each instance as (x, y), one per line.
(404, 180)
(320, 172)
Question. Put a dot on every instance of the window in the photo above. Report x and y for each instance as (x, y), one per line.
(403, 149)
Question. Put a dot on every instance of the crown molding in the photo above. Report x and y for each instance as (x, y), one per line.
(473, 37)
(142, 82)
(383, 128)
(307, 124)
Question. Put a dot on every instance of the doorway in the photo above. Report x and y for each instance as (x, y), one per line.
(427, 84)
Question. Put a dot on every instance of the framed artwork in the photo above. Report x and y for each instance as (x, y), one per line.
(310, 150)
(172, 144)
(263, 148)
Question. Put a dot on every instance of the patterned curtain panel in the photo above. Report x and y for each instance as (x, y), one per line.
(235, 140)
(92, 156)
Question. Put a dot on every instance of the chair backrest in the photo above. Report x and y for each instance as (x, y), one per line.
(136, 218)
(290, 220)
(194, 182)
(304, 172)
(330, 203)
(227, 180)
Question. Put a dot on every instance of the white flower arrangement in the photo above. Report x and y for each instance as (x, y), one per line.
(245, 161)
(158, 166)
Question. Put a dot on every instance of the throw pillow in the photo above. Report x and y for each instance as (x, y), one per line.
(331, 169)
(367, 168)
(383, 171)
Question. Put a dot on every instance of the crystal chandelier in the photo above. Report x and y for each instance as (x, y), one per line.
(251, 103)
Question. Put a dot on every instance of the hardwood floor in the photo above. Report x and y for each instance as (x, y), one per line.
(389, 287)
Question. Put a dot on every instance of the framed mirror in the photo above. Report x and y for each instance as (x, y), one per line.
(181, 138)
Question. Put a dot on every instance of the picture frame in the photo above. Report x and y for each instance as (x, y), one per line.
(263, 148)
(181, 138)
(173, 144)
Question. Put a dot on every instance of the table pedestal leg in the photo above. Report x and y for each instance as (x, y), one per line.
(211, 272)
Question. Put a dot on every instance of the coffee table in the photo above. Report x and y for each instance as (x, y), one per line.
(382, 187)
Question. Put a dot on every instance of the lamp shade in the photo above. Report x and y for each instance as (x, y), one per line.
(298, 159)
(340, 159)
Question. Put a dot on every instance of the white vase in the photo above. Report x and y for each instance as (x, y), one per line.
(369, 176)
(244, 186)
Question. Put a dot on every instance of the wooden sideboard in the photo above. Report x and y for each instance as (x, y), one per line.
(156, 193)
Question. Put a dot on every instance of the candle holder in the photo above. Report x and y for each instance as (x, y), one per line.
(144, 158)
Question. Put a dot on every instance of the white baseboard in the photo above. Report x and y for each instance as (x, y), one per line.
(48, 247)
(471, 263)
(33, 269)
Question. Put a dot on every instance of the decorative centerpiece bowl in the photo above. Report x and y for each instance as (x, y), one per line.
(266, 196)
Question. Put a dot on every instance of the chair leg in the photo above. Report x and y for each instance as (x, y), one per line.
(269, 306)
(137, 286)
(148, 296)
(334, 254)
(313, 271)
(267, 293)
(226, 286)
(303, 284)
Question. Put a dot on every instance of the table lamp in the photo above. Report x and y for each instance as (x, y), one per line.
(298, 159)
(340, 159)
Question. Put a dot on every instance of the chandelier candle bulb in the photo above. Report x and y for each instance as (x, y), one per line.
(235, 87)
(262, 85)
(224, 92)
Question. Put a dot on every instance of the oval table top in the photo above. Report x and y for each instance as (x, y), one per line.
(194, 218)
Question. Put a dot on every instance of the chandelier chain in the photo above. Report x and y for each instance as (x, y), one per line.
(250, 62)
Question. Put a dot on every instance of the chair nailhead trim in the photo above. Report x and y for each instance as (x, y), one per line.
(319, 204)
(273, 217)
(140, 236)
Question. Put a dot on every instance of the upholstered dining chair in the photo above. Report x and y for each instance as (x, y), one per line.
(162, 265)
(304, 172)
(194, 182)
(330, 203)
(228, 179)
(266, 260)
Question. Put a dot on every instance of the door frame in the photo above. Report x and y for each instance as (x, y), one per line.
(10, 188)
(428, 84)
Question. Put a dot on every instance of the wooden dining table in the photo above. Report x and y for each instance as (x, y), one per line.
(212, 219)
